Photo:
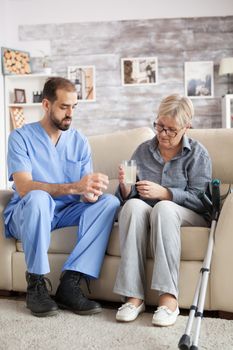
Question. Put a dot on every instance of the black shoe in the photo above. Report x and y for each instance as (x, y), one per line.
(38, 299)
(70, 296)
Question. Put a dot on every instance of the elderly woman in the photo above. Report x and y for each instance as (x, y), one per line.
(172, 170)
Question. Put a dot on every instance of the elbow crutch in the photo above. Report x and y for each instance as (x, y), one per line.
(196, 309)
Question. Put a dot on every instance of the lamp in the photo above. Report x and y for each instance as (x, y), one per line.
(226, 68)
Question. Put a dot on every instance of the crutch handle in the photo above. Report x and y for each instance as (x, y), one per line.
(206, 202)
(216, 198)
(212, 206)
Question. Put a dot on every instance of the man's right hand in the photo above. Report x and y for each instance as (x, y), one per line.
(92, 183)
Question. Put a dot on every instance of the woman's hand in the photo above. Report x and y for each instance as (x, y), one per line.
(151, 190)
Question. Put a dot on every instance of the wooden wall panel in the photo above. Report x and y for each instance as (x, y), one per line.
(103, 44)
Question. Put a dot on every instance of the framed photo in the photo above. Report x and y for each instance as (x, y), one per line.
(199, 79)
(20, 96)
(139, 71)
(15, 61)
(84, 79)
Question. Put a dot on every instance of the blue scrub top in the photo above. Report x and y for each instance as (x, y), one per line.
(30, 149)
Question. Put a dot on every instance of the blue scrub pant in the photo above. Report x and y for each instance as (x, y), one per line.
(37, 214)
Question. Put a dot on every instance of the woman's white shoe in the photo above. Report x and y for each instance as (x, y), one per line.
(129, 312)
(164, 317)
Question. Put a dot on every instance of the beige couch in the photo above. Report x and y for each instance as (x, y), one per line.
(108, 150)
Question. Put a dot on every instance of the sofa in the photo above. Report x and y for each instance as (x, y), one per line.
(108, 151)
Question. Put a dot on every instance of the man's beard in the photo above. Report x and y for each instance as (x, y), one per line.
(59, 124)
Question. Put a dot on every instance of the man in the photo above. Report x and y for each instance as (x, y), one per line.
(51, 167)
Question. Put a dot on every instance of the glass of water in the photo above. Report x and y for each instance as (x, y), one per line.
(130, 169)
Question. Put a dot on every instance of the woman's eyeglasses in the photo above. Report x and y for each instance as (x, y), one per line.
(169, 132)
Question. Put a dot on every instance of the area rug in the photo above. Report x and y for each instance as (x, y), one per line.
(67, 331)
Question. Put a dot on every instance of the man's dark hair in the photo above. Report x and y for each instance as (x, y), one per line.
(56, 83)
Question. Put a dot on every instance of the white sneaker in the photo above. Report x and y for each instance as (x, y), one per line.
(129, 312)
(164, 317)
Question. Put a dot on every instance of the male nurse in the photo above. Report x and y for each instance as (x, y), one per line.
(54, 186)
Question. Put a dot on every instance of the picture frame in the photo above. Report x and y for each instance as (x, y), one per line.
(199, 79)
(15, 61)
(17, 117)
(20, 96)
(84, 79)
(139, 71)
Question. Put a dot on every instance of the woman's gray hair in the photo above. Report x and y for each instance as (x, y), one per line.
(178, 107)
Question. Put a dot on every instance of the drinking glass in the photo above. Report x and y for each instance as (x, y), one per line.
(130, 169)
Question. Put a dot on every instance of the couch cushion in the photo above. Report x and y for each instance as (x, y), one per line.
(62, 240)
(194, 242)
(219, 143)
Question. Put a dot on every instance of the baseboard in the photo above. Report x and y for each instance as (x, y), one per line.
(11, 293)
(226, 315)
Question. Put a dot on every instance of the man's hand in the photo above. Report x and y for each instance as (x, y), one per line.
(92, 185)
(151, 190)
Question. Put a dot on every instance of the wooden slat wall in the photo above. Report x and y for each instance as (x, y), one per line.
(103, 44)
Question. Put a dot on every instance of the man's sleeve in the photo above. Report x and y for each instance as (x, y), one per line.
(17, 157)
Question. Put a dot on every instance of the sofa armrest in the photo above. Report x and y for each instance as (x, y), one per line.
(222, 263)
(7, 246)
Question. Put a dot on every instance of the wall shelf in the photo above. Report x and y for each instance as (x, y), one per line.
(27, 76)
(24, 104)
